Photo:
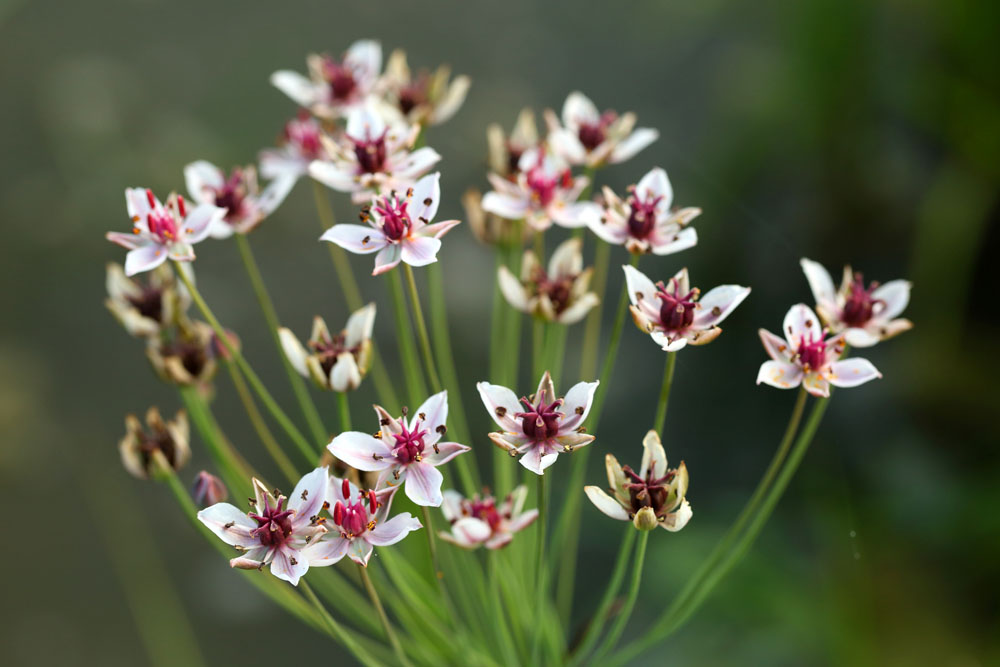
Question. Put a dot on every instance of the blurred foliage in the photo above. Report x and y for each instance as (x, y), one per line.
(849, 131)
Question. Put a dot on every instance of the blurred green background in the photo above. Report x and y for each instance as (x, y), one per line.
(847, 131)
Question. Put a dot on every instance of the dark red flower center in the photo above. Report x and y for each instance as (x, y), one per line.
(193, 355)
(149, 302)
(395, 218)
(484, 510)
(649, 491)
(541, 420)
(642, 216)
(592, 135)
(409, 444)
(544, 185)
(340, 78)
(860, 304)
(161, 221)
(328, 349)
(354, 518)
(812, 353)
(274, 525)
(232, 196)
(157, 440)
(370, 154)
(559, 290)
(413, 94)
(303, 133)
(676, 310)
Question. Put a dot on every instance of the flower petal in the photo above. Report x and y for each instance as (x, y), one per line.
(776, 346)
(567, 259)
(780, 374)
(606, 503)
(309, 495)
(522, 521)
(512, 289)
(677, 520)
(715, 306)
(420, 250)
(361, 451)
(387, 259)
(852, 372)
(345, 374)
(511, 207)
(230, 524)
(434, 414)
(579, 109)
(895, 296)
(576, 405)
(327, 551)
(426, 197)
(801, 321)
(423, 484)
(653, 455)
(816, 385)
(299, 88)
(144, 258)
(536, 460)
(684, 239)
(294, 351)
(289, 564)
(202, 179)
(446, 451)
(333, 175)
(821, 284)
(471, 532)
(417, 163)
(640, 288)
(393, 530)
(451, 507)
(502, 404)
(360, 551)
(359, 239)
(633, 143)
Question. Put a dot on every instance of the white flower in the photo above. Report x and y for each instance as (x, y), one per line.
(334, 88)
(589, 137)
(399, 229)
(404, 450)
(334, 362)
(238, 194)
(865, 315)
(272, 534)
(145, 307)
(159, 231)
(300, 144)
(804, 357)
(542, 192)
(652, 497)
(166, 446)
(559, 294)
(504, 151)
(673, 315)
(426, 99)
(372, 157)
(546, 427)
(479, 521)
(359, 525)
(644, 222)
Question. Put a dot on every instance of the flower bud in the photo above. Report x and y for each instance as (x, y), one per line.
(645, 519)
(162, 448)
(208, 489)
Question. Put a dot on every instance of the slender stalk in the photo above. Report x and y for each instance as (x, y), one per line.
(432, 544)
(407, 350)
(497, 330)
(505, 639)
(677, 614)
(593, 630)
(555, 344)
(260, 426)
(540, 581)
(336, 629)
(258, 386)
(352, 295)
(386, 625)
(344, 408)
(235, 471)
(592, 332)
(538, 347)
(668, 381)
(298, 383)
(421, 327)
(616, 630)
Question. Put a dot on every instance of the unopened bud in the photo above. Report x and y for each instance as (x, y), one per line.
(645, 519)
(208, 489)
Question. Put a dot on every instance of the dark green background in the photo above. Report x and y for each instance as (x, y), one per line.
(844, 131)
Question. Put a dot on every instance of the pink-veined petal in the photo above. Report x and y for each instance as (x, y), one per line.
(426, 197)
(579, 109)
(536, 460)
(420, 250)
(656, 184)
(327, 551)
(567, 145)
(451, 507)
(776, 346)
(333, 175)
(364, 57)
(633, 143)
(446, 451)
(417, 163)
(576, 405)
(130, 241)
(433, 413)
(471, 531)
(423, 484)
(779, 374)
(684, 239)
(299, 88)
(230, 524)
(522, 521)
(309, 495)
(387, 259)
(144, 258)
(895, 295)
(821, 284)
(439, 229)
(289, 564)
(716, 306)
(393, 530)
(362, 451)
(199, 222)
(202, 179)
(801, 321)
(509, 206)
(816, 384)
(360, 551)
(852, 372)
(606, 503)
(275, 192)
(640, 288)
(359, 239)
(502, 404)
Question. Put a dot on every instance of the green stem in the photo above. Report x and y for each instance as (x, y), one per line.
(505, 639)
(592, 332)
(234, 470)
(336, 629)
(260, 426)
(352, 295)
(676, 615)
(432, 544)
(555, 344)
(298, 383)
(421, 326)
(616, 630)
(538, 347)
(593, 630)
(258, 386)
(668, 381)
(497, 330)
(540, 581)
(386, 625)
(404, 337)
(344, 407)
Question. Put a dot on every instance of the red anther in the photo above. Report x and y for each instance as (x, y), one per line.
(346, 490)
(180, 206)
(372, 502)
(338, 513)
(150, 198)
(567, 179)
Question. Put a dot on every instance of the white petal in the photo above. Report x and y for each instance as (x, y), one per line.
(861, 338)
(656, 184)
(896, 295)
(361, 451)
(633, 143)
(360, 551)
(365, 59)
(294, 351)
(309, 495)
(433, 413)
(230, 524)
(364, 123)
(606, 503)
(417, 163)
(446, 451)
(567, 259)
(299, 88)
(567, 145)
(716, 306)
(512, 289)
(502, 404)
(821, 284)
(420, 250)
(576, 405)
(439, 229)
(327, 551)
(684, 239)
(359, 325)
(427, 197)
(275, 192)
(779, 374)
(289, 564)
(471, 531)
(505, 205)
(852, 372)
(452, 100)
(359, 239)
(640, 288)
(801, 321)
(387, 259)
(423, 484)
(578, 109)
(393, 530)
(144, 258)
(202, 179)
(199, 222)
(579, 309)
(345, 374)
(536, 461)
(333, 175)
(776, 346)
(653, 453)
(677, 520)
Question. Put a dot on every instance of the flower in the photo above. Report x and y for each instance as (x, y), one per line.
(427, 99)
(372, 157)
(673, 315)
(187, 358)
(164, 447)
(272, 533)
(361, 524)
(478, 521)
(865, 315)
(543, 191)
(546, 427)
(145, 307)
(334, 88)
(592, 138)
(334, 362)
(238, 195)
(159, 231)
(653, 497)
(505, 152)
(299, 145)
(404, 450)
(804, 357)
(644, 222)
(559, 294)
(395, 230)
(208, 489)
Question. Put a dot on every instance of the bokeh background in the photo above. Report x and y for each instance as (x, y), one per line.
(845, 131)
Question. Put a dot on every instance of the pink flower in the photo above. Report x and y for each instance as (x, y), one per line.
(644, 222)
(479, 521)
(238, 194)
(673, 315)
(300, 144)
(504, 152)
(372, 157)
(359, 524)
(804, 357)
(543, 191)
(589, 137)
(334, 87)
(559, 294)
(398, 229)
(865, 315)
(404, 451)
(546, 426)
(160, 232)
(336, 363)
(274, 534)
(652, 497)
(424, 99)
